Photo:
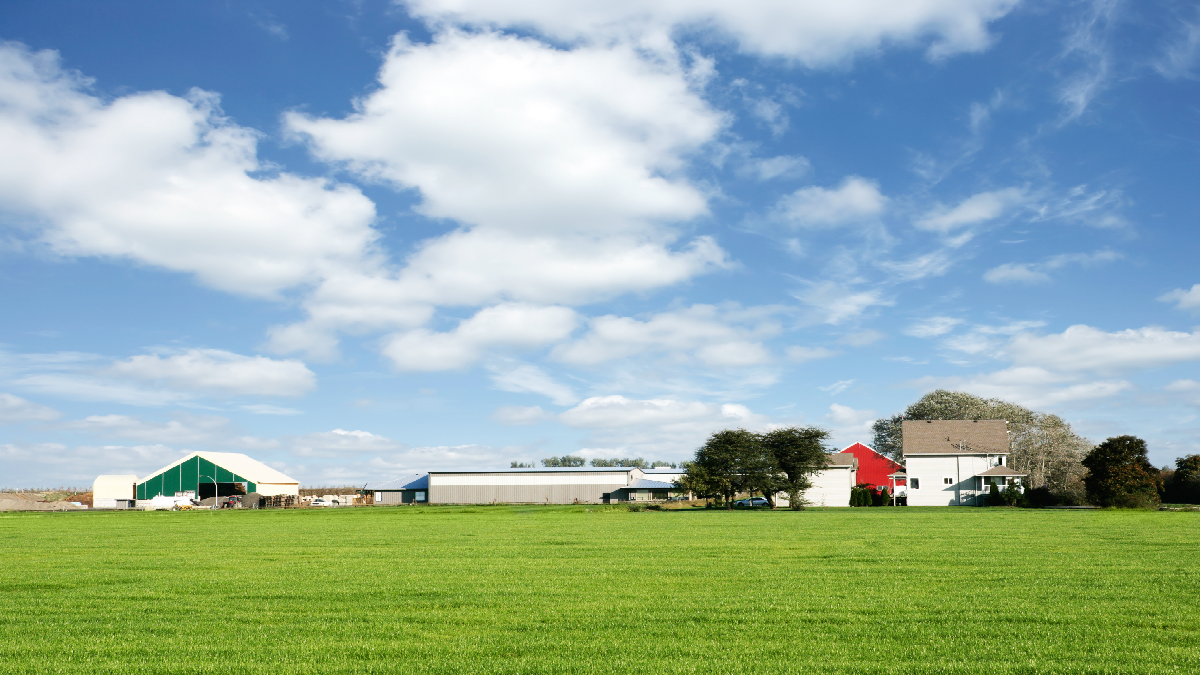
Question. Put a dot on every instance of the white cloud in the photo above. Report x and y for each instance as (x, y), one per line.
(187, 429)
(1036, 273)
(267, 409)
(508, 132)
(84, 387)
(54, 464)
(932, 327)
(862, 338)
(14, 409)
(837, 387)
(515, 416)
(846, 419)
(979, 208)
(165, 181)
(835, 303)
(1181, 55)
(724, 335)
(511, 324)
(1030, 386)
(933, 264)
(1189, 299)
(1023, 273)
(813, 33)
(525, 378)
(1082, 348)
(215, 370)
(339, 442)
(618, 411)
(780, 166)
(855, 201)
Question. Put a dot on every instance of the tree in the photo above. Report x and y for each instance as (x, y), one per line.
(1183, 484)
(797, 453)
(1119, 474)
(565, 460)
(520, 465)
(729, 462)
(1043, 445)
(994, 497)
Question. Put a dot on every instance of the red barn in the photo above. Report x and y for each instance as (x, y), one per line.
(873, 467)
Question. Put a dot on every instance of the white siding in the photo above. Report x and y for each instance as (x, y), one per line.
(272, 489)
(931, 470)
(831, 487)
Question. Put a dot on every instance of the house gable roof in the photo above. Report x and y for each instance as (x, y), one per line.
(947, 437)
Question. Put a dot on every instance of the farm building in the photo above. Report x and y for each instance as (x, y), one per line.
(222, 473)
(589, 485)
(114, 492)
(411, 489)
(952, 462)
(873, 467)
(830, 486)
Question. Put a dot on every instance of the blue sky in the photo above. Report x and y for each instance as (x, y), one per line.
(360, 239)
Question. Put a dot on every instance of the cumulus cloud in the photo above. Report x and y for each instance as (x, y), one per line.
(1082, 348)
(14, 410)
(510, 324)
(55, 464)
(1183, 299)
(813, 33)
(976, 209)
(562, 167)
(847, 422)
(165, 181)
(724, 335)
(856, 200)
(215, 370)
(780, 166)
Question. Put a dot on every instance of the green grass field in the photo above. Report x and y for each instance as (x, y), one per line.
(593, 589)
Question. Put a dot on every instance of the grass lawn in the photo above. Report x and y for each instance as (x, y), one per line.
(593, 589)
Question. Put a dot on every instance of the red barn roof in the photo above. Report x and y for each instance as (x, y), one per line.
(873, 467)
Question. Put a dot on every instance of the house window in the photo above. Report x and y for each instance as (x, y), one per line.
(420, 497)
(914, 483)
(947, 480)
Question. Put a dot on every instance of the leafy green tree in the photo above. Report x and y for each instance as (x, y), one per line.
(729, 462)
(796, 453)
(1183, 484)
(564, 461)
(520, 465)
(1120, 474)
(638, 463)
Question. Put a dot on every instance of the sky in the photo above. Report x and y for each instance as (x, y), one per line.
(360, 239)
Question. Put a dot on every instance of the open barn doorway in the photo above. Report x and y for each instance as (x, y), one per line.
(205, 490)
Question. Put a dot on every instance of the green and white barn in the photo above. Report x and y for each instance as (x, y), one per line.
(219, 473)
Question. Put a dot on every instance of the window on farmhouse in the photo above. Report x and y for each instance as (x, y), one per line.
(947, 480)
(914, 483)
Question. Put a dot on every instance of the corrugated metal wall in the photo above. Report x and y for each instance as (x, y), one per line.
(519, 494)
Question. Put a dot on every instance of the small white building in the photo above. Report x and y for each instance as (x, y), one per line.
(830, 486)
(953, 462)
(114, 491)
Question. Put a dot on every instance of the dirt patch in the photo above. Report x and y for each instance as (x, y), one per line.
(44, 501)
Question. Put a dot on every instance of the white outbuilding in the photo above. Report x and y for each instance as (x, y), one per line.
(114, 491)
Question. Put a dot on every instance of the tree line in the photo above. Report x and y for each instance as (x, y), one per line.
(576, 461)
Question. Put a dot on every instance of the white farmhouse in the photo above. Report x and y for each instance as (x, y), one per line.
(953, 462)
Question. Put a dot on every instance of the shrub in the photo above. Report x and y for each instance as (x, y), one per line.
(1011, 494)
(885, 499)
(860, 496)
(994, 497)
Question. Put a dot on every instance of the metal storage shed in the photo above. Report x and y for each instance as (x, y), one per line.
(202, 471)
(587, 485)
(411, 489)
